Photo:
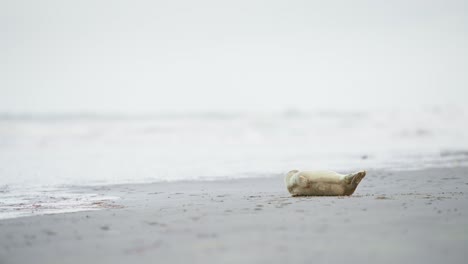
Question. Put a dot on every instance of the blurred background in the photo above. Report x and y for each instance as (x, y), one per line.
(102, 92)
(244, 56)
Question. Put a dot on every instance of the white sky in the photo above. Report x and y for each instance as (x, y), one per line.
(163, 56)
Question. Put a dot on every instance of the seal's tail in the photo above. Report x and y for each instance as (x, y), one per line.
(355, 178)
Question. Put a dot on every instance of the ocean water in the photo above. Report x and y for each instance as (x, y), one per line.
(43, 157)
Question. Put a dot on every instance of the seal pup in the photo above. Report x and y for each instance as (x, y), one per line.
(322, 183)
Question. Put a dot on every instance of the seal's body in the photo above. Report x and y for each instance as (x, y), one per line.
(322, 183)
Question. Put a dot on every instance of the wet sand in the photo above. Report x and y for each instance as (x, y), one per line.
(393, 217)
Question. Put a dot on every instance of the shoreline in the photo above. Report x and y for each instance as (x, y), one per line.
(55, 199)
(417, 216)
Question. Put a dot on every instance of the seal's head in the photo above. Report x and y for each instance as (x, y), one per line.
(289, 175)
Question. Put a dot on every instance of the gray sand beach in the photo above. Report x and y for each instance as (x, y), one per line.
(393, 217)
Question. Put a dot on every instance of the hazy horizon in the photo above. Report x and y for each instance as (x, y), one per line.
(198, 56)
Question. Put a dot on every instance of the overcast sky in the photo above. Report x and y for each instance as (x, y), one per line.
(189, 55)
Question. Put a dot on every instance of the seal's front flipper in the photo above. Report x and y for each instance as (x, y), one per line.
(303, 180)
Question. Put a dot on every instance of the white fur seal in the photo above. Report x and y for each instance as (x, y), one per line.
(322, 183)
